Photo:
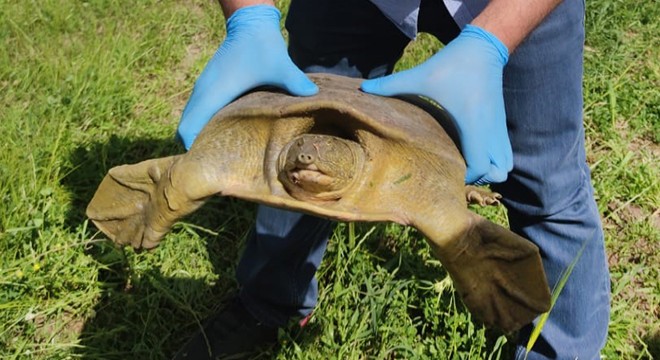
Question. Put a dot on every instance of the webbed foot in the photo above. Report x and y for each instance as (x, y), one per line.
(498, 274)
(126, 203)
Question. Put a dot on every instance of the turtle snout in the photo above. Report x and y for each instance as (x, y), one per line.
(305, 158)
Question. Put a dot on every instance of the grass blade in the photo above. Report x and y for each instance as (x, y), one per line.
(536, 332)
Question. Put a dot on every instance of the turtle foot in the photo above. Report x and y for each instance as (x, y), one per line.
(498, 274)
(127, 204)
(481, 196)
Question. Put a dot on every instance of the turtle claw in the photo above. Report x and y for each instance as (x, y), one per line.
(481, 196)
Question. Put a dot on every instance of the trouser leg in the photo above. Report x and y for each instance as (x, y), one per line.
(549, 193)
(277, 269)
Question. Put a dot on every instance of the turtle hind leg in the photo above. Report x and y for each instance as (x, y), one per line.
(137, 204)
(498, 274)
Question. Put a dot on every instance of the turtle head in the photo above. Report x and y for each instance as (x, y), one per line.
(319, 167)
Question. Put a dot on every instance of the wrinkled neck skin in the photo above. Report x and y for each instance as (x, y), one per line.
(319, 167)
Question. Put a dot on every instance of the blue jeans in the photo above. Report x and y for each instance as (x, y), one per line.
(548, 194)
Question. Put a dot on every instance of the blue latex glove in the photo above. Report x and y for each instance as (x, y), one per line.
(253, 54)
(466, 79)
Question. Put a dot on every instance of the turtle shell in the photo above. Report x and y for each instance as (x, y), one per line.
(408, 157)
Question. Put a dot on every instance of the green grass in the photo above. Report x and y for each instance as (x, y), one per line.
(86, 85)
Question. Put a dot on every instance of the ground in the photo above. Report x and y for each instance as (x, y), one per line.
(87, 85)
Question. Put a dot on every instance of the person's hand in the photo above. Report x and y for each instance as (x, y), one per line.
(466, 79)
(253, 54)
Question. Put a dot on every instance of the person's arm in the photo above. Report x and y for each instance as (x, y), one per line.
(512, 20)
(229, 7)
(465, 77)
(252, 54)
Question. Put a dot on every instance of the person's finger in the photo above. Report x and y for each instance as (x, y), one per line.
(297, 83)
(198, 111)
(477, 161)
(396, 84)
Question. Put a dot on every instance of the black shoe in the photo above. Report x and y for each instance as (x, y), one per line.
(231, 334)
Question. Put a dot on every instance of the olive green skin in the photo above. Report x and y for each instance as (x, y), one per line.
(344, 155)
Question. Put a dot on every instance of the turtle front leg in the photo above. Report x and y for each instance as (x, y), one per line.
(138, 204)
(498, 274)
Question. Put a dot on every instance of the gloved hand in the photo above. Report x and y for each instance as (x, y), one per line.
(253, 54)
(466, 79)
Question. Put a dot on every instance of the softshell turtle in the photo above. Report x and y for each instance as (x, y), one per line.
(345, 155)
